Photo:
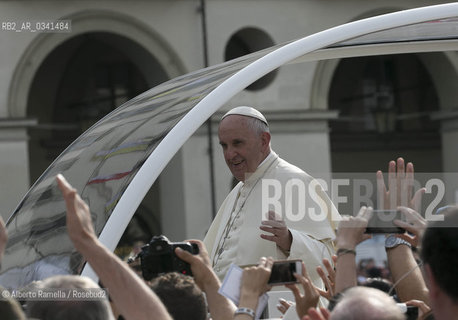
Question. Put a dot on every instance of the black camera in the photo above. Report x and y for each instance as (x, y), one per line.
(159, 257)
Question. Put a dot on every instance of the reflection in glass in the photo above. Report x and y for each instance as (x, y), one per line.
(100, 164)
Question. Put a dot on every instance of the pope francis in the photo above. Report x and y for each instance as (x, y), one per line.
(299, 225)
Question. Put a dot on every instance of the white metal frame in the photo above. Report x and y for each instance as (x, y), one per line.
(164, 152)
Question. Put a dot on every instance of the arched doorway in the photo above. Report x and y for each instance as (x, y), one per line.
(385, 105)
(79, 82)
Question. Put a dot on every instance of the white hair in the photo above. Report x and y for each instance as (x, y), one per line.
(361, 303)
(95, 309)
(257, 125)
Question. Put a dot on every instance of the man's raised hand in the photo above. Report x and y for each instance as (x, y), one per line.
(400, 187)
(79, 222)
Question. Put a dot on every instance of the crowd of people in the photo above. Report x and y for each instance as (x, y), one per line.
(423, 287)
(433, 291)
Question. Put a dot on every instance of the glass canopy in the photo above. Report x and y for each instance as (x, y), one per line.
(104, 160)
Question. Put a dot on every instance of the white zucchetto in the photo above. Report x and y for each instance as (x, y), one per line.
(246, 111)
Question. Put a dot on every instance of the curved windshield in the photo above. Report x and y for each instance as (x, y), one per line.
(100, 164)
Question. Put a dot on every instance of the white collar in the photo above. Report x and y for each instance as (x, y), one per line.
(266, 158)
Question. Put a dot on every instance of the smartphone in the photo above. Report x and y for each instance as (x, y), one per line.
(411, 312)
(382, 222)
(283, 272)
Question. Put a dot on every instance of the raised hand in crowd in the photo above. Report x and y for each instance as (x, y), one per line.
(350, 233)
(415, 224)
(404, 269)
(219, 306)
(79, 222)
(400, 187)
(254, 284)
(329, 280)
(406, 274)
(309, 299)
(139, 302)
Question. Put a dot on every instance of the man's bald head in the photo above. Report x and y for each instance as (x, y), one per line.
(361, 303)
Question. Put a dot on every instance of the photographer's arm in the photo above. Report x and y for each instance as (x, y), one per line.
(402, 261)
(349, 234)
(139, 302)
(412, 286)
(220, 307)
(345, 272)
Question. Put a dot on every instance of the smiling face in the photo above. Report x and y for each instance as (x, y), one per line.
(243, 148)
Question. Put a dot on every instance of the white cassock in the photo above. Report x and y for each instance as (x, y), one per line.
(234, 236)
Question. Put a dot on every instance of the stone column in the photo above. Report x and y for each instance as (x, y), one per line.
(14, 163)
